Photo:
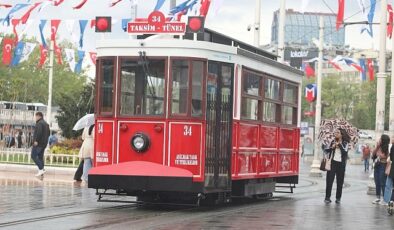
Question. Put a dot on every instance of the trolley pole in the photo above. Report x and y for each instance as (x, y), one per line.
(50, 82)
(257, 26)
(381, 78)
(315, 171)
(281, 31)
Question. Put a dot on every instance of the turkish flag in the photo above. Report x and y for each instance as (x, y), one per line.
(43, 57)
(7, 50)
(92, 23)
(371, 70)
(309, 71)
(93, 57)
(15, 23)
(341, 12)
(58, 52)
(390, 23)
(26, 16)
(204, 7)
(54, 28)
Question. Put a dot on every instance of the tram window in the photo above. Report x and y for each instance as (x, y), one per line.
(250, 108)
(271, 112)
(272, 89)
(251, 99)
(142, 87)
(197, 82)
(290, 94)
(288, 115)
(180, 86)
(251, 84)
(107, 85)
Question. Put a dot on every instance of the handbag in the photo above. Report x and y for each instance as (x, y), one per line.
(325, 164)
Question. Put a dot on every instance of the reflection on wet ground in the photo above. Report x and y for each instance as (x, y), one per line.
(57, 202)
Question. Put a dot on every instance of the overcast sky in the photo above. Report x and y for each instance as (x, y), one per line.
(232, 18)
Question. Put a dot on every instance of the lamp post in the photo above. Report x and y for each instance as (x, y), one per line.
(315, 168)
(281, 31)
(256, 27)
(50, 83)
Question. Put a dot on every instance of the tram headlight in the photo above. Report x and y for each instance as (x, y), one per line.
(140, 142)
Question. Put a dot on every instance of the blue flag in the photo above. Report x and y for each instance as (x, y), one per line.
(16, 8)
(18, 53)
(159, 4)
(78, 66)
(82, 26)
(42, 26)
(371, 15)
(124, 23)
(364, 69)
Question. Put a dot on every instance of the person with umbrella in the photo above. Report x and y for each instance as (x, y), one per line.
(337, 151)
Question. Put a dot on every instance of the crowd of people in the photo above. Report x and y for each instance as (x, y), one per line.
(381, 155)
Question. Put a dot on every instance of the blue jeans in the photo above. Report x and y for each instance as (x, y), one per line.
(366, 164)
(388, 190)
(37, 154)
(87, 165)
(380, 178)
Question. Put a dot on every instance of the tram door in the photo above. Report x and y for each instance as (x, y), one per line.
(219, 126)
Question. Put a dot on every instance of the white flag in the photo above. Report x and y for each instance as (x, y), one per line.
(304, 5)
(70, 58)
(70, 25)
(27, 50)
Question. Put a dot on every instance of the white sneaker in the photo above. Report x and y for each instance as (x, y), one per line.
(383, 203)
(40, 173)
(377, 201)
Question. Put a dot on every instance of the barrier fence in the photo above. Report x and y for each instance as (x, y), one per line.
(22, 156)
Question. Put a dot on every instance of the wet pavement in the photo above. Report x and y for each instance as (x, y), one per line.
(58, 203)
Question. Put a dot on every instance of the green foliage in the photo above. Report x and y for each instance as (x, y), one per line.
(73, 107)
(342, 97)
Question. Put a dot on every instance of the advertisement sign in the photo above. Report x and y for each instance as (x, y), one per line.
(304, 128)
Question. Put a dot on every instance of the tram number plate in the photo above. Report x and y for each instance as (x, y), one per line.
(186, 159)
(187, 130)
(102, 157)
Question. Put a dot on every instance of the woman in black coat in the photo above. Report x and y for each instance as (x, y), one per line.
(338, 153)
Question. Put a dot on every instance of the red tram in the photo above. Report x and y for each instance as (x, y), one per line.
(205, 117)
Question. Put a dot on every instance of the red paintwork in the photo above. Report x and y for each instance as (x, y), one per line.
(185, 147)
(104, 143)
(248, 135)
(155, 152)
(140, 168)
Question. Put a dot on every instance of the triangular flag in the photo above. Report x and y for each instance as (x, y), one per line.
(16, 8)
(58, 52)
(82, 26)
(363, 72)
(159, 4)
(7, 50)
(93, 57)
(41, 27)
(54, 27)
(26, 16)
(27, 50)
(92, 23)
(15, 23)
(43, 55)
(341, 12)
(70, 58)
(80, 5)
(124, 23)
(371, 69)
(78, 66)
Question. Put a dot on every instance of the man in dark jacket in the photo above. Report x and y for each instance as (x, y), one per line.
(40, 138)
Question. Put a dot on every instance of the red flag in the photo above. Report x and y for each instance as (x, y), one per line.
(58, 52)
(114, 2)
(92, 23)
(26, 16)
(309, 71)
(7, 50)
(43, 57)
(5, 5)
(390, 23)
(204, 7)
(371, 69)
(79, 6)
(54, 27)
(341, 12)
(93, 57)
(335, 65)
(15, 23)
(57, 2)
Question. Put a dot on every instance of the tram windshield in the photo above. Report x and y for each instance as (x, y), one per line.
(142, 87)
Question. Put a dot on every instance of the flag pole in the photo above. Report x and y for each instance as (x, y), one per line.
(381, 76)
(315, 168)
(281, 31)
(50, 82)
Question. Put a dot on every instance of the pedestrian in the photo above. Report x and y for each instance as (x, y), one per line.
(338, 153)
(380, 155)
(40, 141)
(20, 139)
(366, 155)
(53, 140)
(78, 174)
(388, 193)
(87, 150)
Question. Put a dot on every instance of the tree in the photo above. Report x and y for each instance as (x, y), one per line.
(73, 107)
